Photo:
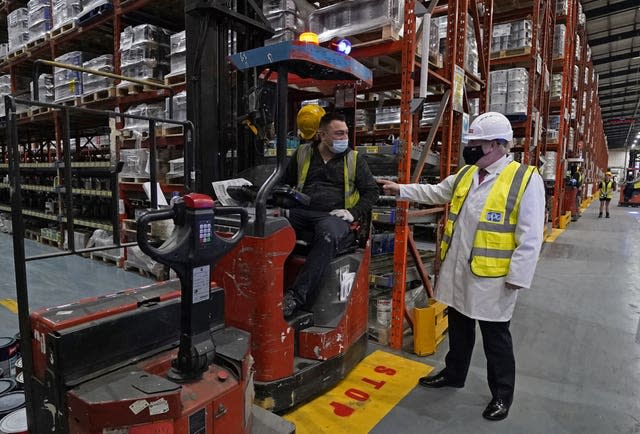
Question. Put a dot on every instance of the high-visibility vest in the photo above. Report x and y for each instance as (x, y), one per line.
(606, 190)
(351, 194)
(495, 239)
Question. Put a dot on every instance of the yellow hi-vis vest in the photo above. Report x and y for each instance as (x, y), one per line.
(606, 190)
(351, 194)
(495, 238)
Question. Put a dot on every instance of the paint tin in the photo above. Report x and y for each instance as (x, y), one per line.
(18, 365)
(10, 402)
(15, 422)
(8, 355)
(20, 381)
(7, 385)
(383, 306)
(17, 338)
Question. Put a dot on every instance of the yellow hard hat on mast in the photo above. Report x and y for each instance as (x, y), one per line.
(308, 120)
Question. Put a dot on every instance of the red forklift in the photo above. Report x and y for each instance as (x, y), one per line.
(298, 358)
(183, 356)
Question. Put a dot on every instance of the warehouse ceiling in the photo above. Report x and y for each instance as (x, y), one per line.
(613, 28)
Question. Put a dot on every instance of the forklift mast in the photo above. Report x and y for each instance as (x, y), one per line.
(214, 31)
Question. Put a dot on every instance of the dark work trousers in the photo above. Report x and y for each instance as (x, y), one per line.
(330, 234)
(498, 348)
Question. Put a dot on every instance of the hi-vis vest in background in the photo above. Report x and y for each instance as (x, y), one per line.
(351, 194)
(606, 190)
(495, 238)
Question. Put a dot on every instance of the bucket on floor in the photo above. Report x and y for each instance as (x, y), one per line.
(18, 365)
(20, 381)
(7, 385)
(10, 402)
(8, 355)
(18, 340)
(383, 306)
(15, 422)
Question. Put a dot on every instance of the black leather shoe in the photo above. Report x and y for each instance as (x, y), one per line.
(438, 380)
(497, 409)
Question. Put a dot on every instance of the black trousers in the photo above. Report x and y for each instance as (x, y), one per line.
(329, 235)
(498, 348)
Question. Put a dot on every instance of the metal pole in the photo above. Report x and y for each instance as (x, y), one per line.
(20, 264)
(153, 170)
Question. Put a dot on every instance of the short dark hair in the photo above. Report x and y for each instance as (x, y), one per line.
(330, 117)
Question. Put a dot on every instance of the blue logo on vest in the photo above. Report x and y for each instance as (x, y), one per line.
(495, 217)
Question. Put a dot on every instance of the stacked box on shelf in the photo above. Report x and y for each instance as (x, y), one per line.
(363, 121)
(552, 128)
(5, 89)
(387, 116)
(144, 52)
(155, 110)
(471, 48)
(511, 36)
(509, 91)
(65, 12)
(45, 88)
(40, 19)
(498, 87)
(68, 83)
(178, 53)
(429, 113)
(179, 108)
(287, 18)
(562, 7)
(135, 163)
(92, 83)
(18, 29)
(518, 88)
(556, 87)
(559, 36)
(89, 5)
(352, 18)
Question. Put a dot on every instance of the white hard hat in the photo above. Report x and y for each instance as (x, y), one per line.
(490, 126)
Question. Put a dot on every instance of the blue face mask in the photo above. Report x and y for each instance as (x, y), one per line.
(339, 146)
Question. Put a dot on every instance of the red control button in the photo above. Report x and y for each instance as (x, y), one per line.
(223, 376)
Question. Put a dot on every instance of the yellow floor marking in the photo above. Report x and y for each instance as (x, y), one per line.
(10, 304)
(555, 233)
(363, 398)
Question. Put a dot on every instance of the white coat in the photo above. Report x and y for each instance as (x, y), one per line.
(484, 298)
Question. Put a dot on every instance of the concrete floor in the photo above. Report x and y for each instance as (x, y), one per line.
(57, 281)
(576, 334)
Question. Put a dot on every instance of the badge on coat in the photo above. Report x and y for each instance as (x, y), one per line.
(494, 216)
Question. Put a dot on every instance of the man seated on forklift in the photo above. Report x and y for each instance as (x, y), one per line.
(342, 191)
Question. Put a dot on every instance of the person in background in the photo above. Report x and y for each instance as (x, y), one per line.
(576, 174)
(342, 191)
(489, 251)
(607, 187)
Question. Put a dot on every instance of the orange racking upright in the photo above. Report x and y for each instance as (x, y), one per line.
(563, 63)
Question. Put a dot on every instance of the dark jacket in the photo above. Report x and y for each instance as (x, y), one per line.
(325, 183)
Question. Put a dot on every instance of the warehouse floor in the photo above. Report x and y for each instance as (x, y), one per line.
(576, 335)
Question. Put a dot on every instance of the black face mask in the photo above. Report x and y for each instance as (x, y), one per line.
(472, 154)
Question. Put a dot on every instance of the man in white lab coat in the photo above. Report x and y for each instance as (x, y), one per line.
(490, 248)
